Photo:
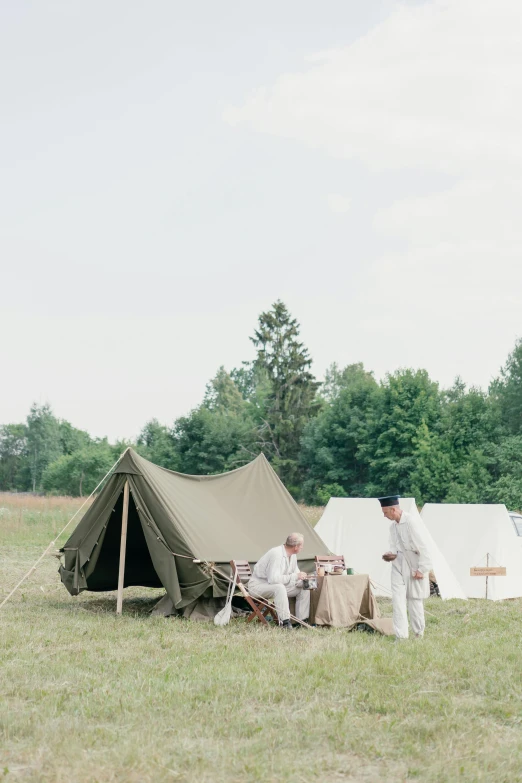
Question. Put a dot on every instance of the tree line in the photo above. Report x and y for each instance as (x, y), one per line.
(349, 435)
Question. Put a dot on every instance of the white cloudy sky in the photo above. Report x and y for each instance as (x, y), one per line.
(170, 169)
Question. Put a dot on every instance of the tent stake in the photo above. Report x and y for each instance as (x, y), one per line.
(123, 546)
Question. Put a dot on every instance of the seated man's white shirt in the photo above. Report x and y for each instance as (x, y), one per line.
(275, 577)
(277, 568)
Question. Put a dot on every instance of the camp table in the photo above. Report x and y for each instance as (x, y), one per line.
(342, 601)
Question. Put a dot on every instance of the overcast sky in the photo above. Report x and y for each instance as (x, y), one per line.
(170, 169)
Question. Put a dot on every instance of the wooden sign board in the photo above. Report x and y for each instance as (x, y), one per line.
(487, 571)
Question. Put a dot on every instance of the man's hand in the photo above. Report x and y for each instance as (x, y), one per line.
(389, 556)
(417, 575)
(301, 575)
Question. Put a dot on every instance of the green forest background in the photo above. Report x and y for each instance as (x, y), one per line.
(347, 436)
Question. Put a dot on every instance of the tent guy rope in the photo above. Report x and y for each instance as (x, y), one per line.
(53, 542)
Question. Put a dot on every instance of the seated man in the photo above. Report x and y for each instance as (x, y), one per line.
(276, 575)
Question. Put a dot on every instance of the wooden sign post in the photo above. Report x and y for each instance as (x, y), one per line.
(123, 547)
(487, 571)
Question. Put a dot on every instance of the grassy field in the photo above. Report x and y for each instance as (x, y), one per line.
(88, 696)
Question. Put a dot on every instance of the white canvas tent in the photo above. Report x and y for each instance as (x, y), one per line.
(475, 535)
(357, 529)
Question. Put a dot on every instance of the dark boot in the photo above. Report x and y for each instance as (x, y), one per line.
(286, 625)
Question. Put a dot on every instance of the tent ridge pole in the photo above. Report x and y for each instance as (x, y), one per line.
(123, 547)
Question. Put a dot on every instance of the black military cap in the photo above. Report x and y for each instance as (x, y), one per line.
(389, 500)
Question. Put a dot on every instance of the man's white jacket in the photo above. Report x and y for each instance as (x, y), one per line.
(406, 541)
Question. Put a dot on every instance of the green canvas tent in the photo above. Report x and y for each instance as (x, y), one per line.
(175, 519)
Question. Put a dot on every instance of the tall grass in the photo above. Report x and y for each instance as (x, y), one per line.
(312, 514)
(35, 520)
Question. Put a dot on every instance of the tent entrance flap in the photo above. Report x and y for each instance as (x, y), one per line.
(139, 570)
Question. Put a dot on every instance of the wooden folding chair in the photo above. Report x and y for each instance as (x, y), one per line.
(260, 611)
(333, 560)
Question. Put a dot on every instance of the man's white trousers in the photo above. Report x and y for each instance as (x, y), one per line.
(280, 595)
(402, 605)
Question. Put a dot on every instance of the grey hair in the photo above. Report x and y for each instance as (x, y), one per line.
(294, 539)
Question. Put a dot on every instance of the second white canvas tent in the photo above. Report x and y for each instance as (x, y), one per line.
(475, 535)
(357, 529)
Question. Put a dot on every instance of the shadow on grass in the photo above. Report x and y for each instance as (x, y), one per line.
(138, 607)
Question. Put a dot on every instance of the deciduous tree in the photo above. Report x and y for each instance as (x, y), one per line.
(13, 456)
(338, 443)
(43, 442)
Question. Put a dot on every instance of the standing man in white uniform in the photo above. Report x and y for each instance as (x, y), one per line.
(411, 565)
(277, 576)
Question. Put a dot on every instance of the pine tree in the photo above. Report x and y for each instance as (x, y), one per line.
(291, 399)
